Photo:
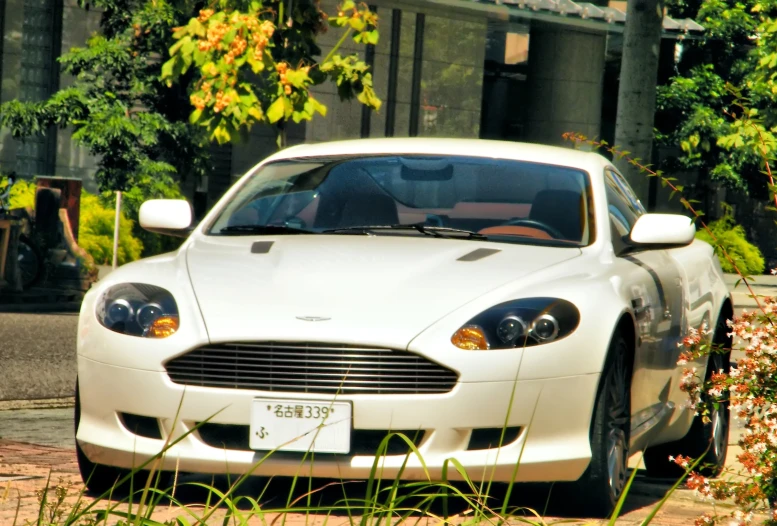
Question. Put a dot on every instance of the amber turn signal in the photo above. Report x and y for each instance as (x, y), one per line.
(470, 338)
(163, 327)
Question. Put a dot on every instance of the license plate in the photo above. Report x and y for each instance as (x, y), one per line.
(296, 425)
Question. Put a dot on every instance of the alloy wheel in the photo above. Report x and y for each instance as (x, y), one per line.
(618, 418)
(719, 418)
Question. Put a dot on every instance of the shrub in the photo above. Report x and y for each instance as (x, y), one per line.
(97, 218)
(732, 238)
(96, 223)
(22, 193)
(96, 232)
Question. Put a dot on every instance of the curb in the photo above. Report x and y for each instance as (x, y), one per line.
(65, 307)
(42, 403)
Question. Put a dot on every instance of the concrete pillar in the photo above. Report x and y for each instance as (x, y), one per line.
(566, 76)
(637, 90)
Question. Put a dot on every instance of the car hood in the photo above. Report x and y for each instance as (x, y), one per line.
(369, 290)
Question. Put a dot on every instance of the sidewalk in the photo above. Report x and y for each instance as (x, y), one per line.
(25, 469)
(765, 285)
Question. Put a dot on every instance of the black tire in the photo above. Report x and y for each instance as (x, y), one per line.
(30, 262)
(698, 438)
(100, 479)
(598, 490)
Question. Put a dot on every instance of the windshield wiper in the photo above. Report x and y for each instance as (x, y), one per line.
(435, 231)
(245, 230)
(443, 230)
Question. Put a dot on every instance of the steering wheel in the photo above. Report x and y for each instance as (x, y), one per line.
(434, 220)
(533, 223)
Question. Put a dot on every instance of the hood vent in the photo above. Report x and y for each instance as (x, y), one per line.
(478, 253)
(261, 247)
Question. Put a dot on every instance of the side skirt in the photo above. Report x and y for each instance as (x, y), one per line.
(643, 433)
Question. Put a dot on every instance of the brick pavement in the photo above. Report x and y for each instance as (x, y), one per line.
(19, 503)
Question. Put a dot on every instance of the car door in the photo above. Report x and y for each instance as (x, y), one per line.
(653, 282)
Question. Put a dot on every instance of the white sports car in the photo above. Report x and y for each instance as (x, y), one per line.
(508, 305)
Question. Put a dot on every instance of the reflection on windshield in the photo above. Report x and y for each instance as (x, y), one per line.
(502, 200)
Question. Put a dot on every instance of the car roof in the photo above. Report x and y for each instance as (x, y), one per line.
(435, 146)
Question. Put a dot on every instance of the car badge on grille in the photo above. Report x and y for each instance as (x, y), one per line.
(313, 318)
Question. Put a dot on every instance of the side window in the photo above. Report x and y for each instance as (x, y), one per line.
(627, 192)
(620, 223)
(623, 207)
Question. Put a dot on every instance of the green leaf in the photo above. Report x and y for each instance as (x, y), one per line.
(297, 78)
(195, 27)
(167, 68)
(177, 46)
(299, 116)
(357, 24)
(276, 110)
(188, 47)
(316, 106)
(195, 116)
(256, 113)
(221, 134)
(288, 107)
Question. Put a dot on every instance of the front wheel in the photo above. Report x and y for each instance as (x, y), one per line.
(600, 487)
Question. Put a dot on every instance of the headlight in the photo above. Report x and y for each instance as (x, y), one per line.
(137, 309)
(519, 323)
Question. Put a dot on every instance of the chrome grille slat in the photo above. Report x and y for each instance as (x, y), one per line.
(264, 352)
(333, 381)
(287, 362)
(344, 390)
(296, 347)
(351, 373)
(250, 359)
(310, 368)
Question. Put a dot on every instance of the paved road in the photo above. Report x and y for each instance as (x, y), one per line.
(48, 340)
(48, 427)
(41, 344)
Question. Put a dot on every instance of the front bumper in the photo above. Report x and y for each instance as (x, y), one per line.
(553, 445)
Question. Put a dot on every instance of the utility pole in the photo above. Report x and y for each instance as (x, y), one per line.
(116, 231)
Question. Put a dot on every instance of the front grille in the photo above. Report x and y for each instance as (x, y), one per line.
(310, 368)
(363, 441)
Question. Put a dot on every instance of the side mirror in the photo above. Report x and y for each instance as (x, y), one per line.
(662, 230)
(171, 217)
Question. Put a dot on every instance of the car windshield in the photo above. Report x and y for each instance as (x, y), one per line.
(442, 196)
